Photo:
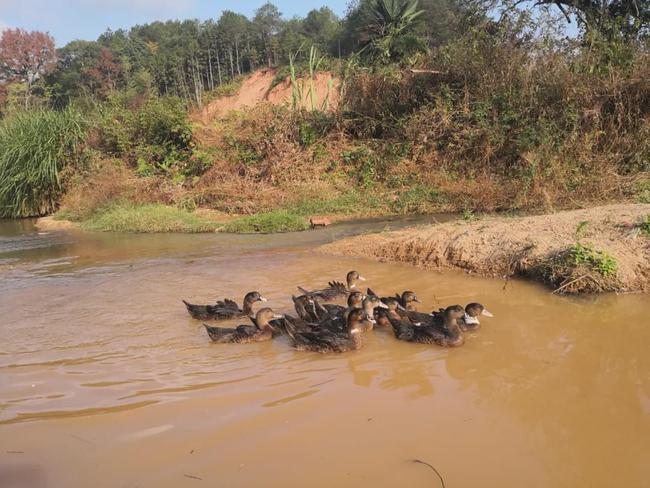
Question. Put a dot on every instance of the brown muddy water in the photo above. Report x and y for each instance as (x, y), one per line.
(106, 381)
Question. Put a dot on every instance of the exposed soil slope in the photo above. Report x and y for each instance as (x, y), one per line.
(257, 88)
(535, 246)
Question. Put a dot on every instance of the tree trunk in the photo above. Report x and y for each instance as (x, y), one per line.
(232, 68)
(237, 54)
(210, 75)
(218, 68)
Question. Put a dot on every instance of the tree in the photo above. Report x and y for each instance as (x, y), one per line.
(232, 29)
(268, 21)
(389, 31)
(25, 57)
(608, 17)
(322, 28)
(106, 74)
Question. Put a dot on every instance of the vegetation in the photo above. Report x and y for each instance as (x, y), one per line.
(645, 226)
(265, 223)
(36, 149)
(484, 106)
(149, 218)
(581, 267)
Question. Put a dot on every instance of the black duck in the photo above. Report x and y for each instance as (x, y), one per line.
(324, 340)
(261, 331)
(225, 309)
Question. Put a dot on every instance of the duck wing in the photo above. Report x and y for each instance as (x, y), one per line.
(335, 289)
(322, 341)
(240, 334)
(223, 309)
(421, 319)
(311, 311)
(334, 310)
(227, 304)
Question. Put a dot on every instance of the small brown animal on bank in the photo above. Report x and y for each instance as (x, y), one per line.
(319, 221)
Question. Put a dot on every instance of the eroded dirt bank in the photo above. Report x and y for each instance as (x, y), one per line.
(559, 249)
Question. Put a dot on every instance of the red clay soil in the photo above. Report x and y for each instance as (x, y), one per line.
(256, 88)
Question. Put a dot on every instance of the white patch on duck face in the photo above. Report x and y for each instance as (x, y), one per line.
(353, 285)
(355, 331)
(468, 319)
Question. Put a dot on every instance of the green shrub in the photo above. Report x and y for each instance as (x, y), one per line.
(584, 254)
(35, 148)
(265, 223)
(645, 226)
(155, 137)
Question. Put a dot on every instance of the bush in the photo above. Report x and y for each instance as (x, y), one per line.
(35, 149)
(155, 137)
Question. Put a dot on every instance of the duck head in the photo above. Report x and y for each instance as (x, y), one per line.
(355, 299)
(408, 299)
(358, 321)
(473, 310)
(264, 316)
(253, 296)
(370, 304)
(393, 304)
(454, 312)
(352, 277)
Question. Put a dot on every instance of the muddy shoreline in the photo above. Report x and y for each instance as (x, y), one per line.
(593, 250)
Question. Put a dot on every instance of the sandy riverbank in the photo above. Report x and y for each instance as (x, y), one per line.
(613, 253)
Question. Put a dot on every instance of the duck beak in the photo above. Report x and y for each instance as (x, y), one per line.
(362, 278)
(262, 299)
(486, 313)
(416, 300)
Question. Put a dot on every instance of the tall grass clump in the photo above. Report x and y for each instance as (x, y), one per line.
(35, 148)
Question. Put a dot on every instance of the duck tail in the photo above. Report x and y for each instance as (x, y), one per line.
(302, 290)
(290, 326)
(213, 332)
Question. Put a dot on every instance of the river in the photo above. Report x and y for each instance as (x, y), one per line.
(106, 381)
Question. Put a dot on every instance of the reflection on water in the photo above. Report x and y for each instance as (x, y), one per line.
(106, 381)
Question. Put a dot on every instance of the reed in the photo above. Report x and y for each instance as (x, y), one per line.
(35, 147)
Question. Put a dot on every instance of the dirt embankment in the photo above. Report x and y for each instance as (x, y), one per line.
(258, 88)
(542, 247)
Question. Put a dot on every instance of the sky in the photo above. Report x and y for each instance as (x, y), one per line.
(67, 20)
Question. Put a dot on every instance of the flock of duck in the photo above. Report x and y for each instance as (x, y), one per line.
(326, 327)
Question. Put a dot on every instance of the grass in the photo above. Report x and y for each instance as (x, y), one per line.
(645, 226)
(266, 223)
(149, 218)
(345, 204)
(35, 147)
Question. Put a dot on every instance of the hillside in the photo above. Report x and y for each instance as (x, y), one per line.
(258, 87)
